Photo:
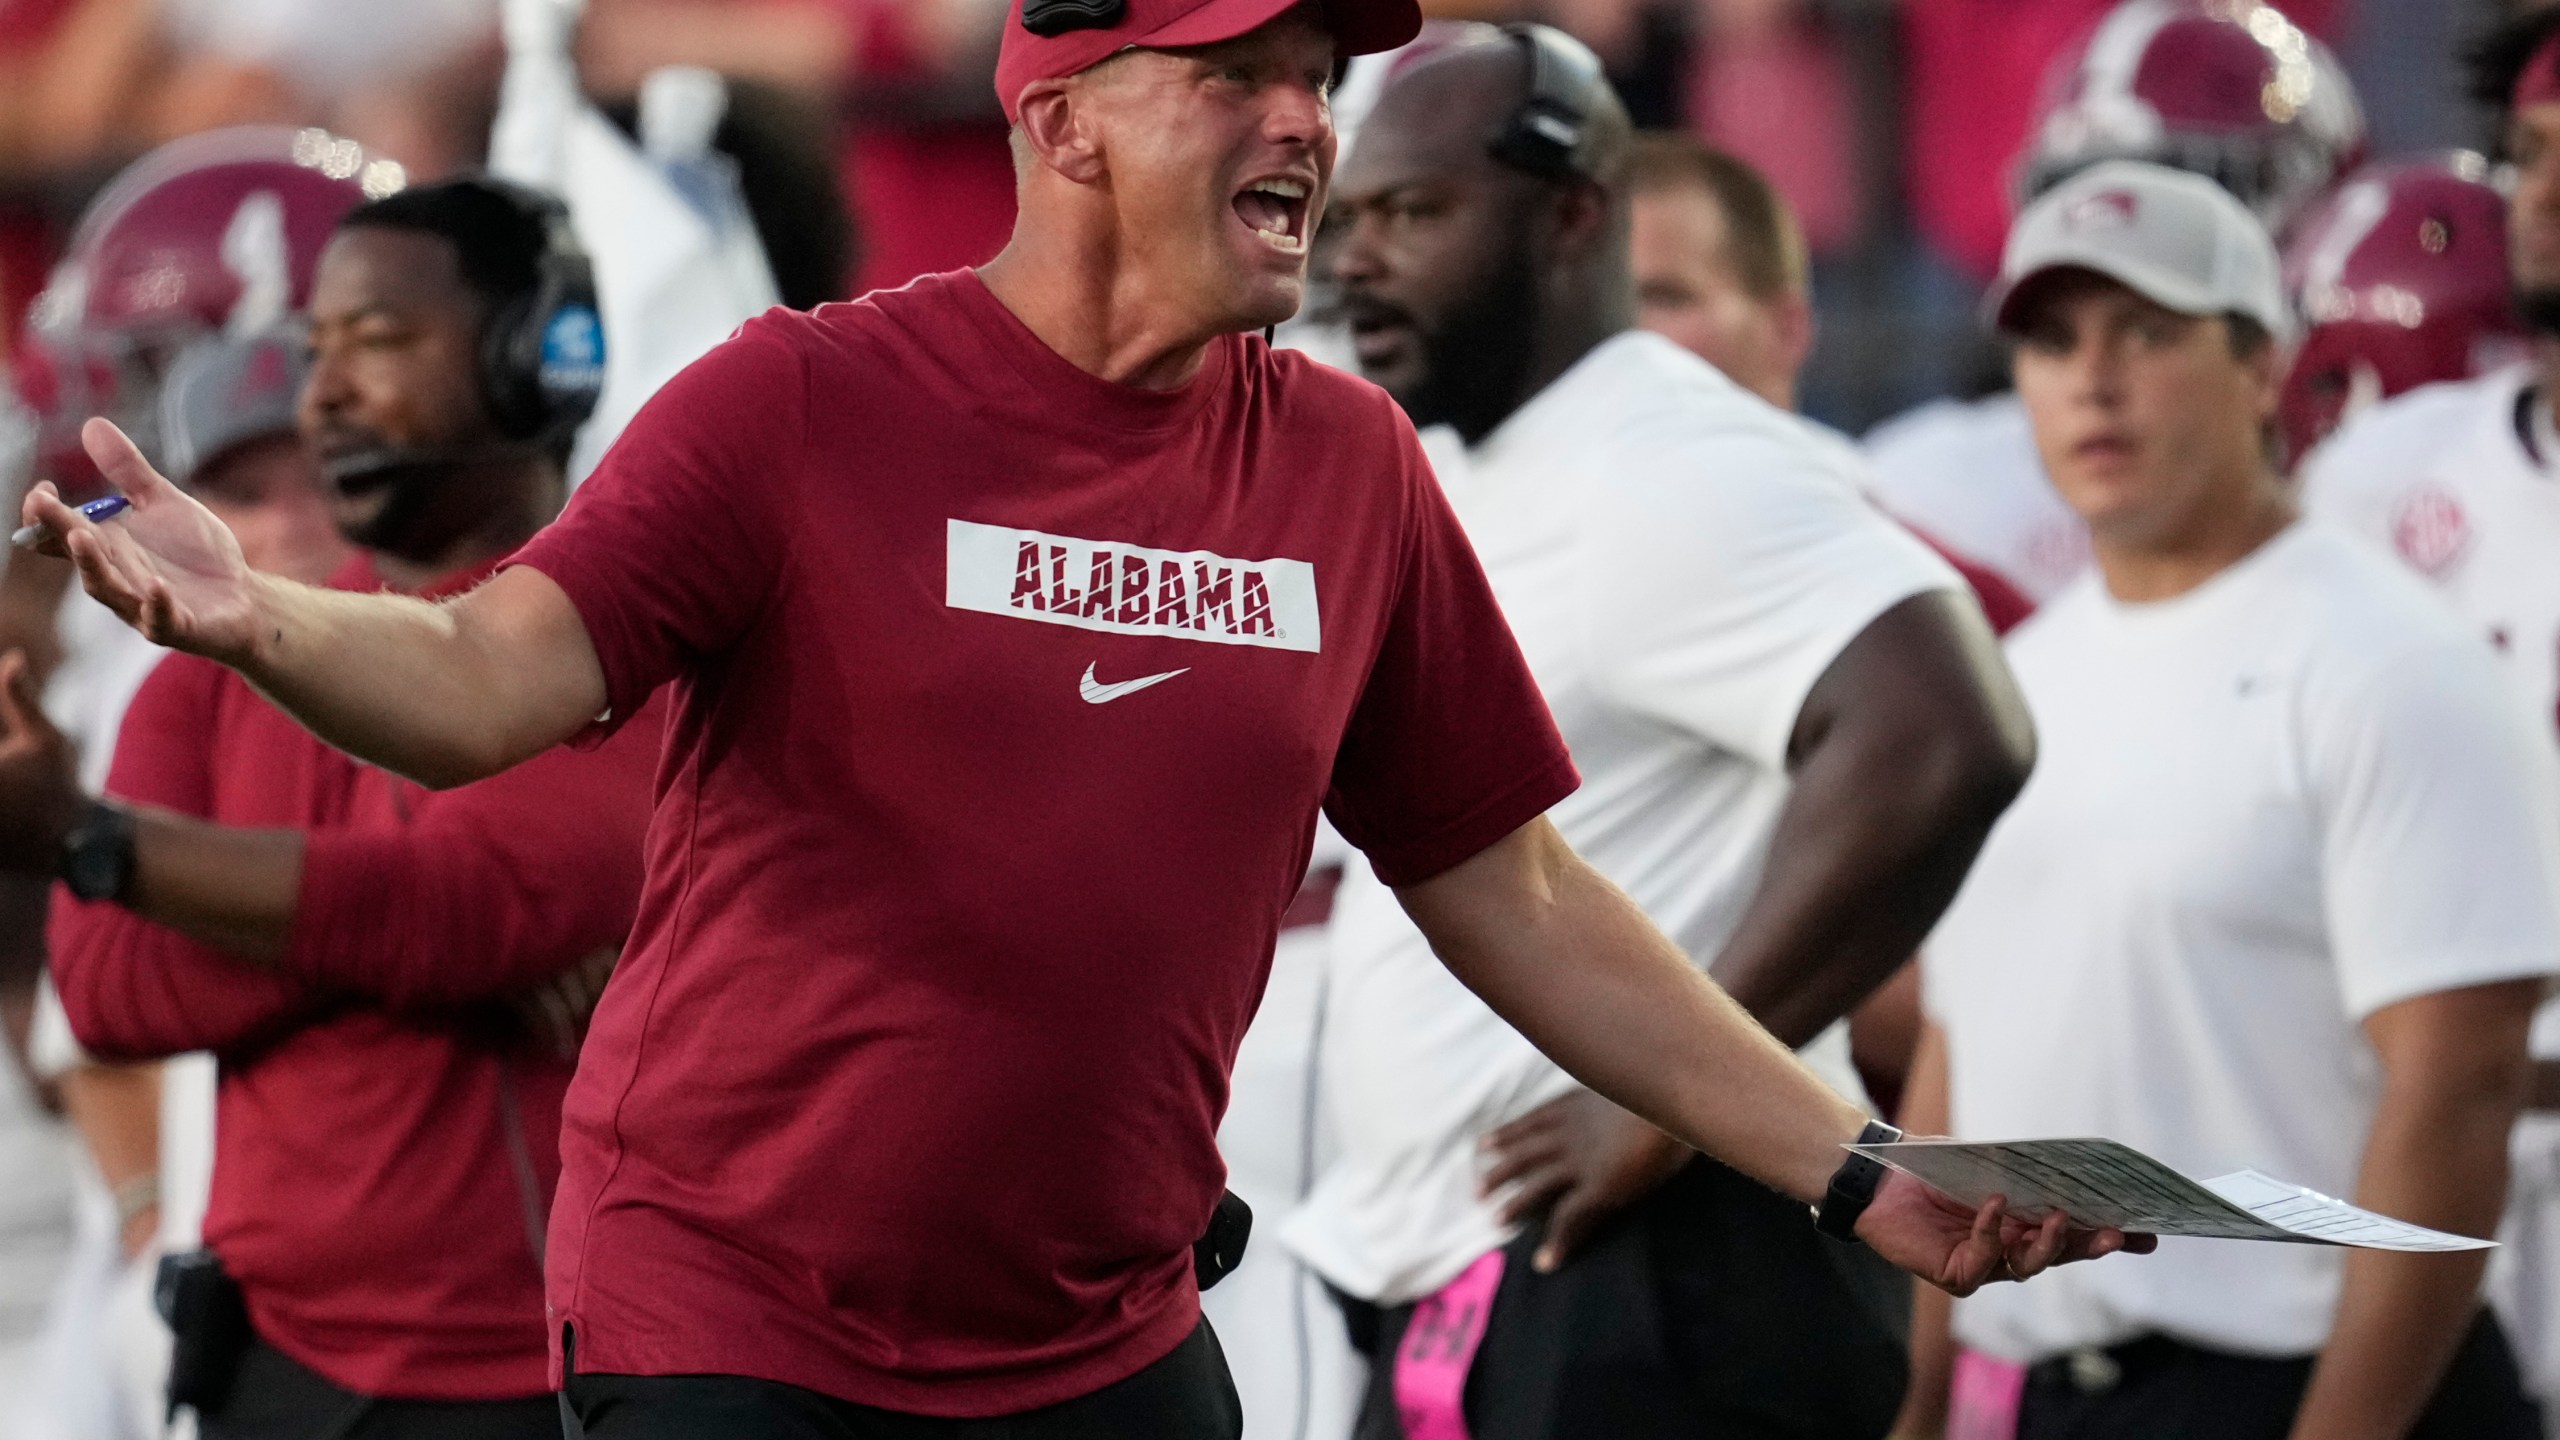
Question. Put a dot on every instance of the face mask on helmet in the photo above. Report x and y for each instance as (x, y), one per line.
(222, 393)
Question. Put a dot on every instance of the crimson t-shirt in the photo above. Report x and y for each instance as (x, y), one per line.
(1004, 699)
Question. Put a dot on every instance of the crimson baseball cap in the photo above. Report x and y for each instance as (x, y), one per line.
(2177, 239)
(1084, 33)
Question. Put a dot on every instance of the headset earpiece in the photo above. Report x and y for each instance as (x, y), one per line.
(1549, 133)
(542, 357)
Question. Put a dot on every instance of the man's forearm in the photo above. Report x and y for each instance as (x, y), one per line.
(116, 1109)
(1570, 962)
(2437, 1157)
(408, 684)
(1859, 871)
(1908, 749)
(231, 887)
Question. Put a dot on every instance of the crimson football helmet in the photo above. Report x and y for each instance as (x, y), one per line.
(2228, 89)
(171, 310)
(2400, 277)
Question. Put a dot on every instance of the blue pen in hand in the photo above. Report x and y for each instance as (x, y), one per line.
(96, 510)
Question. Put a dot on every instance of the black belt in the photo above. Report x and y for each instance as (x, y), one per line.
(2095, 1370)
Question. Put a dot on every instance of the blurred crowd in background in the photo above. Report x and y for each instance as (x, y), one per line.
(1889, 125)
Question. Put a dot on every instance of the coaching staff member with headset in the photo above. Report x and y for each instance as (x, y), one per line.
(363, 955)
(1018, 620)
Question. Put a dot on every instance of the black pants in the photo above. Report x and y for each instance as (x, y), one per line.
(274, 1397)
(2164, 1388)
(1185, 1396)
(1711, 1310)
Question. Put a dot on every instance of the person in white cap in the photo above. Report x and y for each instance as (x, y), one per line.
(2278, 894)
(2172, 81)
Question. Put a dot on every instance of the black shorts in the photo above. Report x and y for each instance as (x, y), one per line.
(275, 1397)
(1712, 1308)
(2158, 1386)
(1187, 1395)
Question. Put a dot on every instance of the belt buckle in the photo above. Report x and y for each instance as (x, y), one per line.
(2094, 1371)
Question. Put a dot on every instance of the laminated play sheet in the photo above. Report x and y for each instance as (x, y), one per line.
(2102, 1182)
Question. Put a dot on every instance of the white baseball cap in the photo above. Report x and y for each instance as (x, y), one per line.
(2177, 239)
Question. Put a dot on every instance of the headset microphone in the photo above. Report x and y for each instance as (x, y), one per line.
(359, 471)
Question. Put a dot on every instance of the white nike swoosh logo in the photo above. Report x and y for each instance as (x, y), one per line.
(1096, 693)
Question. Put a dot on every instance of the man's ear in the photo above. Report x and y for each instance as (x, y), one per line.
(1583, 221)
(1058, 133)
(2266, 366)
(1797, 329)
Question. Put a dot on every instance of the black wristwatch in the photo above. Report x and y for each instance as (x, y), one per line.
(1853, 1186)
(97, 856)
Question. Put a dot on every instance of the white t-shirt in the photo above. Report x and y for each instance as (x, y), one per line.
(1966, 474)
(2262, 811)
(1680, 562)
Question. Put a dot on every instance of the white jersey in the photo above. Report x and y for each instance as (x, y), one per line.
(2261, 811)
(1965, 473)
(2444, 478)
(1680, 562)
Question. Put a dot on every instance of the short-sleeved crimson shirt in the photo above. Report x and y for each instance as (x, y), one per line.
(1004, 700)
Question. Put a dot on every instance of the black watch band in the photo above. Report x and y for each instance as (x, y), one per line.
(97, 856)
(1853, 1186)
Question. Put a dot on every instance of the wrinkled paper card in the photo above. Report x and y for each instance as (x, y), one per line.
(2101, 1182)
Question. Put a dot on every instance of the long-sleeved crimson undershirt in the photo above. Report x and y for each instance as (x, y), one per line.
(387, 1134)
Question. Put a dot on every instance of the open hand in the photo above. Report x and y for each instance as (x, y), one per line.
(1581, 1159)
(1960, 1250)
(166, 565)
(40, 798)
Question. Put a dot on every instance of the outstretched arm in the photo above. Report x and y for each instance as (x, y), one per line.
(1570, 962)
(441, 692)
(492, 891)
(1904, 753)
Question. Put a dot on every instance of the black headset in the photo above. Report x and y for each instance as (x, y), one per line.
(1549, 133)
(542, 355)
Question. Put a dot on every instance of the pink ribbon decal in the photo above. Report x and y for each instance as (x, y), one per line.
(1439, 1345)
(1982, 1399)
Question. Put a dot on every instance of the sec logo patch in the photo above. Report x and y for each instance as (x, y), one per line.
(2431, 532)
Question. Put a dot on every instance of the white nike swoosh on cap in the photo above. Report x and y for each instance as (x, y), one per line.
(1096, 693)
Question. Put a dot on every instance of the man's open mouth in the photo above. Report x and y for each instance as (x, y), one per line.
(1276, 210)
